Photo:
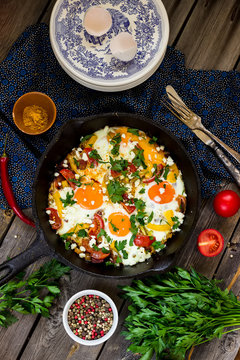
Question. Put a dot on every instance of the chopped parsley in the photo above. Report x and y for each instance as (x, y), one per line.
(67, 235)
(76, 162)
(102, 232)
(115, 191)
(150, 217)
(176, 221)
(166, 171)
(136, 174)
(69, 199)
(67, 245)
(105, 251)
(158, 245)
(95, 155)
(96, 248)
(118, 165)
(115, 229)
(140, 204)
(125, 254)
(120, 245)
(85, 138)
(118, 260)
(153, 140)
(139, 158)
(82, 233)
(133, 131)
(77, 182)
(142, 191)
(115, 141)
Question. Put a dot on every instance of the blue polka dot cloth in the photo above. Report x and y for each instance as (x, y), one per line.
(31, 66)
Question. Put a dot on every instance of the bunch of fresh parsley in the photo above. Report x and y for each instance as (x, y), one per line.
(173, 312)
(34, 295)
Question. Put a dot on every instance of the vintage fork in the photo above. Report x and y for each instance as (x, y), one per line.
(192, 120)
(179, 109)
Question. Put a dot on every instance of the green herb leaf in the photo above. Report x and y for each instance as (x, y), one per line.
(166, 171)
(76, 162)
(105, 251)
(118, 165)
(115, 141)
(82, 233)
(115, 229)
(120, 245)
(115, 191)
(133, 131)
(102, 232)
(69, 199)
(153, 140)
(85, 138)
(142, 191)
(139, 158)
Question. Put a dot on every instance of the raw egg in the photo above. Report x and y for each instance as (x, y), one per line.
(89, 196)
(119, 224)
(161, 193)
(97, 21)
(123, 46)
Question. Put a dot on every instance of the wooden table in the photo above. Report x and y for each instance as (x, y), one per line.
(208, 33)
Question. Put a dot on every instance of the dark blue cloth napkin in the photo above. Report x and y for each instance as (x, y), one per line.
(31, 66)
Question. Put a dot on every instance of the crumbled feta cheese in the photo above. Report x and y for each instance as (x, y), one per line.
(82, 248)
(59, 184)
(73, 246)
(170, 161)
(157, 199)
(158, 148)
(65, 161)
(81, 255)
(74, 236)
(92, 225)
(123, 136)
(84, 199)
(79, 149)
(92, 242)
(56, 174)
(104, 190)
(48, 212)
(152, 170)
(110, 178)
(65, 165)
(164, 160)
(77, 176)
(162, 190)
(92, 202)
(149, 157)
(51, 222)
(84, 157)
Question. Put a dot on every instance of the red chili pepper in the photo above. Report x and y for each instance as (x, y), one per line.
(7, 188)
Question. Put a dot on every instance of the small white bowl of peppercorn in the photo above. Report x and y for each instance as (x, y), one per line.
(90, 317)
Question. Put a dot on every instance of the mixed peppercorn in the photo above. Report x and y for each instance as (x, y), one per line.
(90, 317)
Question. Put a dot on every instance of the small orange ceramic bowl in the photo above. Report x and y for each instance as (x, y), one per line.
(39, 117)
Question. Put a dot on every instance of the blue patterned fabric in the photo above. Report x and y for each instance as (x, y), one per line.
(31, 66)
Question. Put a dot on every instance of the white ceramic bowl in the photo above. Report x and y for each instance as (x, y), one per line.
(88, 60)
(75, 337)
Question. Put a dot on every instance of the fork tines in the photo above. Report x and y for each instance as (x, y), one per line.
(176, 107)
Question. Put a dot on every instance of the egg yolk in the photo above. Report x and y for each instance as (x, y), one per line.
(119, 224)
(89, 196)
(161, 193)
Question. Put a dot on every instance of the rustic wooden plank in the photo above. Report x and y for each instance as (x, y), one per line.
(50, 341)
(177, 13)
(17, 239)
(227, 347)
(6, 216)
(15, 16)
(210, 39)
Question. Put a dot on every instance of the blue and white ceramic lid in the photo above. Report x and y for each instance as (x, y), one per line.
(89, 58)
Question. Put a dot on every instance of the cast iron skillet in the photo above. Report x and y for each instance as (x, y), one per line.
(48, 243)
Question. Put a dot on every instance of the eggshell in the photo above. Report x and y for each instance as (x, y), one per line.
(123, 46)
(97, 21)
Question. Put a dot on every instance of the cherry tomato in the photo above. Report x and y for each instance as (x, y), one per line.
(69, 174)
(132, 168)
(226, 203)
(115, 173)
(210, 242)
(91, 160)
(53, 216)
(98, 225)
(143, 240)
(158, 173)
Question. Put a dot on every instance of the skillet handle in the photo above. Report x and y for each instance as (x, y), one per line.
(37, 249)
(166, 263)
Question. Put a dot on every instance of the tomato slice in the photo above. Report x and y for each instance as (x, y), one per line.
(69, 174)
(98, 225)
(97, 256)
(115, 173)
(157, 174)
(53, 216)
(132, 168)
(210, 242)
(143, 240)
(91, 160)
(129, 208)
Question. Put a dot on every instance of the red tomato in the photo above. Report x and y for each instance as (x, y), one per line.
(132, 168)
(210, 242)
(129, 208)
(98, 225)
(158, 173)
(55, 217)
(69, 174)
(97, 256)
(115, 173)
(91, 160)
(143, 240)
(226, 203)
